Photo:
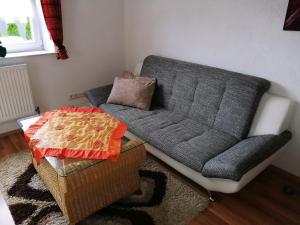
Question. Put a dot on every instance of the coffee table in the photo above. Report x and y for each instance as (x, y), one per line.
(82, 187)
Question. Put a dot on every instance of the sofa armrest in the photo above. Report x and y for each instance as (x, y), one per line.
(98, 96)
(236, 161)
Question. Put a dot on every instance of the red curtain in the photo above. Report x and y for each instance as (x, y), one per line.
(53, 18)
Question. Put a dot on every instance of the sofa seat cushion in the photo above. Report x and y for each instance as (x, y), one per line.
(168, 137)
(192, 149)
(141, 122)
(143, 127)
(183, 139)
(125, 113)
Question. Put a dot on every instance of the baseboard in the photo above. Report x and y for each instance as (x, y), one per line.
(8, 127)
(6, 134)
(289, 177)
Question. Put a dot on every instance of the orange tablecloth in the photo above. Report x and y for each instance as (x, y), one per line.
(86, 133)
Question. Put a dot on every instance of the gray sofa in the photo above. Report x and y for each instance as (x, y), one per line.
(199, 121)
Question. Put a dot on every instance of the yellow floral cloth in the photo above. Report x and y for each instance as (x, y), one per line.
(86, 133)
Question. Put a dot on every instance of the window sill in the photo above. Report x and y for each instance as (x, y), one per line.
(32, 53)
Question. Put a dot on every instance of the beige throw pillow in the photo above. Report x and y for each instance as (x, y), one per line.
(134, 91)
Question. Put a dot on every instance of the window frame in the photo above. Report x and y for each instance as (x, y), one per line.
(41, 37)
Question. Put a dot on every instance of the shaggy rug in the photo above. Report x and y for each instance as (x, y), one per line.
(165, 199)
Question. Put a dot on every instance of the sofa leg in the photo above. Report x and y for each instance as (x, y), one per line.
(211, 196)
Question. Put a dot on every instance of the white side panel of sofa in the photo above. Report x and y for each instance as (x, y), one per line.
(211, 184)
(272, 116)
(138, 68)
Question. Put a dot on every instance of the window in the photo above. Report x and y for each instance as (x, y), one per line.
(21, 28)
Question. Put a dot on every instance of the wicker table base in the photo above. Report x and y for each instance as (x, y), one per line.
(84, 192)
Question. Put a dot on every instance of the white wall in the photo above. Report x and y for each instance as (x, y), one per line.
(93, 33)
(243, 36)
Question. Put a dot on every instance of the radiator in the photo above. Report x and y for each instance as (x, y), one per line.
(15, 93)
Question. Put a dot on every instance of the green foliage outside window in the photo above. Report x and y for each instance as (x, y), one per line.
(13, 29)
(28, 30)
(1, 34)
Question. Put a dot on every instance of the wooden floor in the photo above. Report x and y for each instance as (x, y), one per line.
(12, 143)
(262, 202)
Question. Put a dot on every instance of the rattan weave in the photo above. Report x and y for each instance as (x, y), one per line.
(85, 192)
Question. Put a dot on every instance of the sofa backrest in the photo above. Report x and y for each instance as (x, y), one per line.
(220, 99)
